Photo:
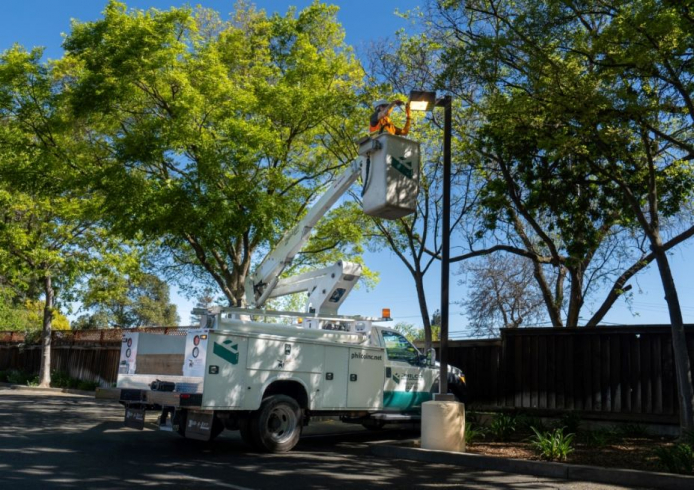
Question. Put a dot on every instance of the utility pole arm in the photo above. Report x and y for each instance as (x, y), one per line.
(261, 284)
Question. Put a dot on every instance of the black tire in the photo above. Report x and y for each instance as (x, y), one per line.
(276, 426)
(246, 433)
(373, 424)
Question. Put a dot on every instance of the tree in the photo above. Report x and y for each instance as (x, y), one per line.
(503, 294)
(205, 301)
(416, 334)
(49, 233)
(592, 99)
(141, 300)
(212, 136)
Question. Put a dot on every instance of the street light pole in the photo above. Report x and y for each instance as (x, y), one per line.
(446, 102)
(426, 101)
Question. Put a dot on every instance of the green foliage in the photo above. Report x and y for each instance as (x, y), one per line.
(140, 300)
(552, 445)
(527, 422)
(17, 377)
(678, 458)
(688, 438)
(415, 334)
(571, 421)
(474, 429)
(11, 315)
(213, 137)
(502, 426)
(633, 430)
(61, 379)
(600, 438)
(474, 433)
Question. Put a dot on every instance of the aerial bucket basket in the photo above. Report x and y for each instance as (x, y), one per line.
(390, 173)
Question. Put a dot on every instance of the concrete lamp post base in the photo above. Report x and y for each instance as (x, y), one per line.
(443, 426)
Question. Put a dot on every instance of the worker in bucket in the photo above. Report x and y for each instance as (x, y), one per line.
(380, 119)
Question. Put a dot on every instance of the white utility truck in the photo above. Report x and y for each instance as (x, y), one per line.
(266, 373)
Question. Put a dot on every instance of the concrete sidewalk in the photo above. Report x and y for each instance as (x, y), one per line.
(629, 478)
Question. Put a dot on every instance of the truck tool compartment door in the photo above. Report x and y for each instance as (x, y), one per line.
(335, 377)
(225, 374)
(366, 372)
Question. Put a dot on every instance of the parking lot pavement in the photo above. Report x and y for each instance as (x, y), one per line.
(53, 440)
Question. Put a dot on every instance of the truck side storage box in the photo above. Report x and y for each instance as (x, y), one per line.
(226, 378)
(391, 177)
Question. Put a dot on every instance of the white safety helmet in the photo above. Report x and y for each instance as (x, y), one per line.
(380, 102)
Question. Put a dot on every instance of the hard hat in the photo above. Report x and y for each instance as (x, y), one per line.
(380, 102)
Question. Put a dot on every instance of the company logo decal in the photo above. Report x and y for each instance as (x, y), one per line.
(402, 166)
(411, 379)
(367, 357)
(227, 350)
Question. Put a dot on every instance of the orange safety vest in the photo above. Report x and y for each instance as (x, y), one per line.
(378, 126)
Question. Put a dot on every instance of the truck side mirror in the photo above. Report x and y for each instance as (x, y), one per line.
(431, 357)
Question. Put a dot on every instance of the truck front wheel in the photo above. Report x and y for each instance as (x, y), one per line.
(276, 426)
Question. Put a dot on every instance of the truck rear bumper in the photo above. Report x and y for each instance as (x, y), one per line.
(130, 396)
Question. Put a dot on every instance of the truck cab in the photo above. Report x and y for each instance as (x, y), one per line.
(411, 378)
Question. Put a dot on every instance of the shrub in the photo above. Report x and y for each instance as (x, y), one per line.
(600, 437)
(33, 380)
(570, 422)
(3, 376)
(527, 422)
(552, 445)
(474, 433)
(17, 377)
(87, 385)
(502, 426)
(676, 459)
(61, 379)
(633, 430)
(688, 438)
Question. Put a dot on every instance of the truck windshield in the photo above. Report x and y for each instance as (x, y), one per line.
(399, 348)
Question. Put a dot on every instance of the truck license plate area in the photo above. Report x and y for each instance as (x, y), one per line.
(199, 425)
(135, 418)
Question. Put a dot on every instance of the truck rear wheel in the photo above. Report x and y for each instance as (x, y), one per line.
(276, 426)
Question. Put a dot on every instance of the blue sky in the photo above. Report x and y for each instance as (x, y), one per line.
(41, 23)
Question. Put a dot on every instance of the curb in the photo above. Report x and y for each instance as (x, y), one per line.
(627, 478)
(38, 389)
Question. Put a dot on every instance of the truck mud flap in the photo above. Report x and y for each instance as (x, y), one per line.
(199, 425)
(135, 418)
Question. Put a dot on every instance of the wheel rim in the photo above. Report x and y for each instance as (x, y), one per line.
(281, 424)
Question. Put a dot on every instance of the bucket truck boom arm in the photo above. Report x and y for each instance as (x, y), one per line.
(261, 285)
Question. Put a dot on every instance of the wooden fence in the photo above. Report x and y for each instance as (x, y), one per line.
(88, 355)
(623, 373)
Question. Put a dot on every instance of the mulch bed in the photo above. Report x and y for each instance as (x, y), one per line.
(634, 453)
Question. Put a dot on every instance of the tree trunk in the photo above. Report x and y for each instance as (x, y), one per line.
(575, 297)
(419, 283)
(45, 369)
(679, 339)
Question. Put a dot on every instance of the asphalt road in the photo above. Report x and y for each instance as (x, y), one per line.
(50, 440)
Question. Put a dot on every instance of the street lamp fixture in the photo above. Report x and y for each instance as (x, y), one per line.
(427, 101)
(422, 101)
